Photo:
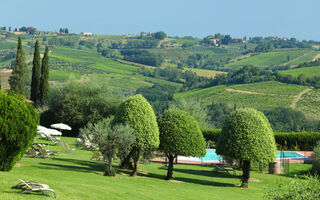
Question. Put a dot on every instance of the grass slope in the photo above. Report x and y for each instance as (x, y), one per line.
(74, 177)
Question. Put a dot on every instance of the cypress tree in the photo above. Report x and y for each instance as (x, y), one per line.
(18, 78)
(36, 70)
(44, 80)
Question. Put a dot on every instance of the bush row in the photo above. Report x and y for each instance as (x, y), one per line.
(304, 141)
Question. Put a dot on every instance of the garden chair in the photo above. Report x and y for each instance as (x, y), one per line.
(225, 169)
(28, 186)
(43, 153)
(96, 156)
(68, 147)
(32, 153)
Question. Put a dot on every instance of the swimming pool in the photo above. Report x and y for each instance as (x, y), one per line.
(212, 156)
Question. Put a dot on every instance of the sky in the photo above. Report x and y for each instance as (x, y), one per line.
(197, 18)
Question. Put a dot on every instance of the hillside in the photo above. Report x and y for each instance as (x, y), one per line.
(262, 95)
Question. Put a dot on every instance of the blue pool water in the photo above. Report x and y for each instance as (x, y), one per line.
(212, 156)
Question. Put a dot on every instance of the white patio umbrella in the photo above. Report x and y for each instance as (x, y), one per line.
(39, 128)
(61, 126)
(49, 132)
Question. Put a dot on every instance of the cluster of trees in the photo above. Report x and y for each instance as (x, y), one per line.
(160, 35)
(70, 41)
(142, 57)
(64, 30)
(145, 43)
(40, 77)
(268, 43)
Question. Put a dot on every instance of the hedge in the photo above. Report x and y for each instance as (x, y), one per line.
(304, 141)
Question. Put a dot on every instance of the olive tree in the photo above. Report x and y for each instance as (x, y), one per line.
(139, 115)
(112, 141)
(247, 136)
(18, 127)
(180, 135)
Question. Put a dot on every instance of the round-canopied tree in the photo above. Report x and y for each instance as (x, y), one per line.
(18, 127)
(180, 135)
(139, 115)
(247, 136)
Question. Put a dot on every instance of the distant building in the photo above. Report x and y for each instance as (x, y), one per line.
(215, 41)
(86, 34)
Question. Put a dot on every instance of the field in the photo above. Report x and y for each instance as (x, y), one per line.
(268, 59)
(74, 177)
(205, 72)
(307, 71)
(263, 95)
(4, 76)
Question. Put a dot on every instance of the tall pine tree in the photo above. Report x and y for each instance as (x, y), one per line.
(18, 78)
(44, 80)
(36, 70)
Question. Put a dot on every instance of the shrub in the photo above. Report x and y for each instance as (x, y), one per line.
(316, 159)
(247, 136)
(298, 189)
(180, 135)
(138, 114)
(18, 127)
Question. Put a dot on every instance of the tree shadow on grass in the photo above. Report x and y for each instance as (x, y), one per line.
(182, 179)
(74, 165)
(207, 173)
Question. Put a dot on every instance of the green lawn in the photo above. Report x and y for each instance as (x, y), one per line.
(74, 177)
(308, 71)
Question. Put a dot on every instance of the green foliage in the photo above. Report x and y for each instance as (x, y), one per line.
(115, 141)
(138, 114)
(303, 141)
(298, 189)
(247, 135)
(18, 127)
(180, 134)
(160, 35)
(193, 108)
(36, 74)
(76, 104)
(285, 119)
(44, 80)
(316, 159)
(18, 78)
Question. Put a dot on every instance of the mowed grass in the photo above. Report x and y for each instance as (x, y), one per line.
(269, 59)
(307, 71)
(75, 177)
(263, 95)
(205, 72)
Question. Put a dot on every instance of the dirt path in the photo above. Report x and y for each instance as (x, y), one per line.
(316, 57)
(298, 97)
(243, 91)
(4, 76)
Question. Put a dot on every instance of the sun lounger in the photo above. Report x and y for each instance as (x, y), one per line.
(225, 169)
(27, 187)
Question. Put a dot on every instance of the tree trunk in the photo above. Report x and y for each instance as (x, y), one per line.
(109, 171)
(246, 173)
(170, 167)
(136, 156)
(126, 163)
